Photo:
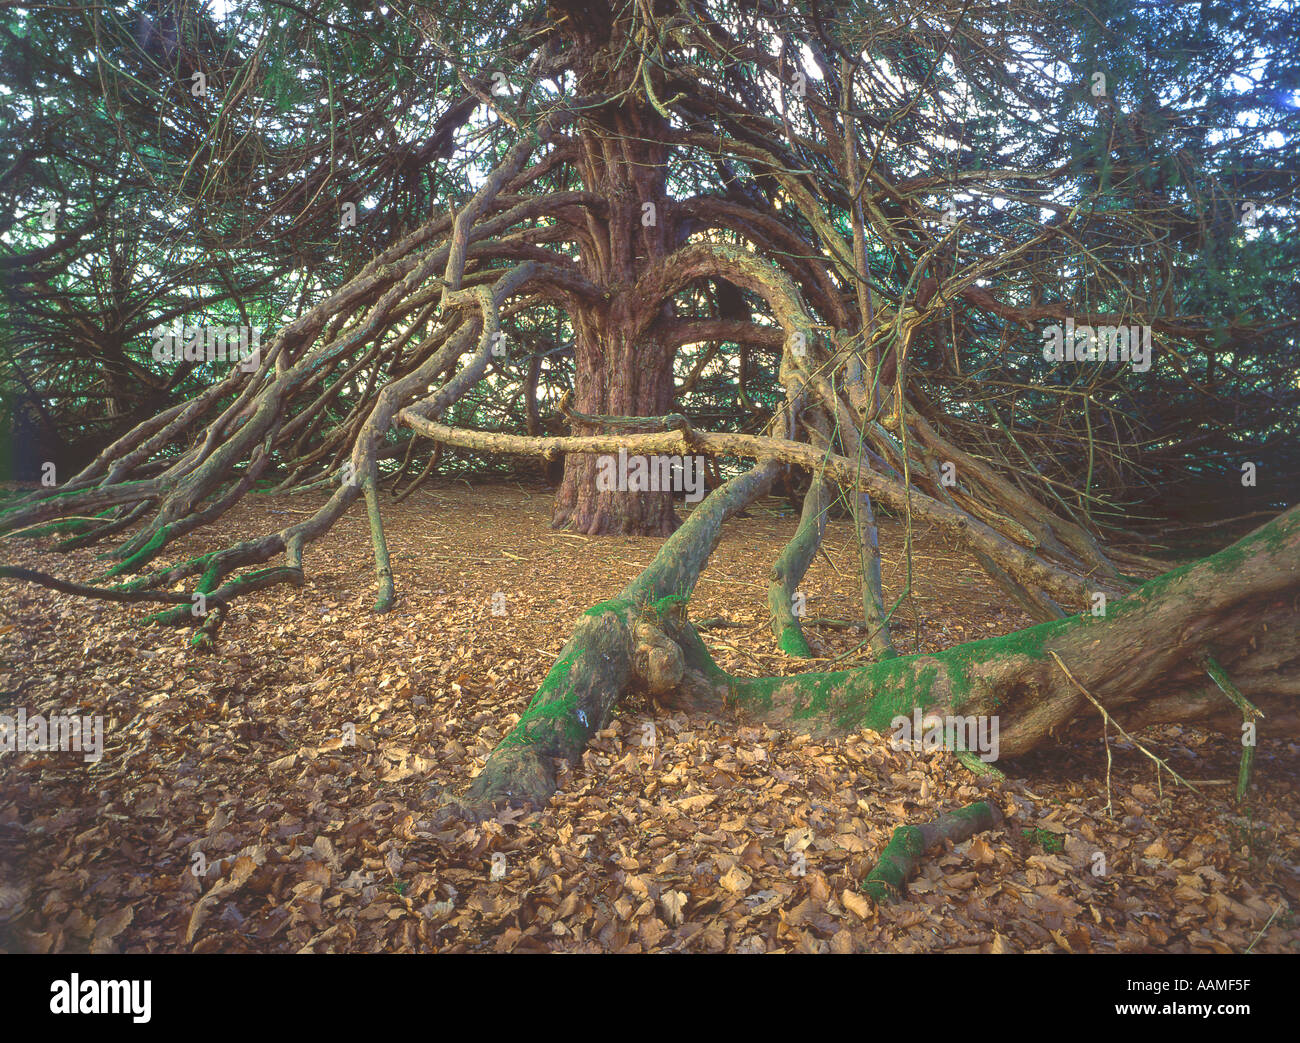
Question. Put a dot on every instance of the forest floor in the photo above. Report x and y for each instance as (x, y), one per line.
(229, 812)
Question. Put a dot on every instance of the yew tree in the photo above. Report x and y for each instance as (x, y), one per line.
(1012, 271)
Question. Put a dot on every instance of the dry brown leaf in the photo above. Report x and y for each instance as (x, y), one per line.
(736, 880)
(857, 904)
(673, 903)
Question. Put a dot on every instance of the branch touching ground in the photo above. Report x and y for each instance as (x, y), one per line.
(1143, 658)
(614, 644)
(903, 854)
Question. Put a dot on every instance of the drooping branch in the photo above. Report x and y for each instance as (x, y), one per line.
(612, 643)
(1069, 587)
(1143, 659)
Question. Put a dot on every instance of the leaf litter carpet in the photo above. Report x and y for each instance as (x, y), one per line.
(232, 811)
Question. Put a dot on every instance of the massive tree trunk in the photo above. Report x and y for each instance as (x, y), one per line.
(623, 368)
(623, 374)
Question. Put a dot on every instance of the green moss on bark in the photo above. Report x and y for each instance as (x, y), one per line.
(885, 883)
(793, 642)
(554, 705)
(144, 555)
